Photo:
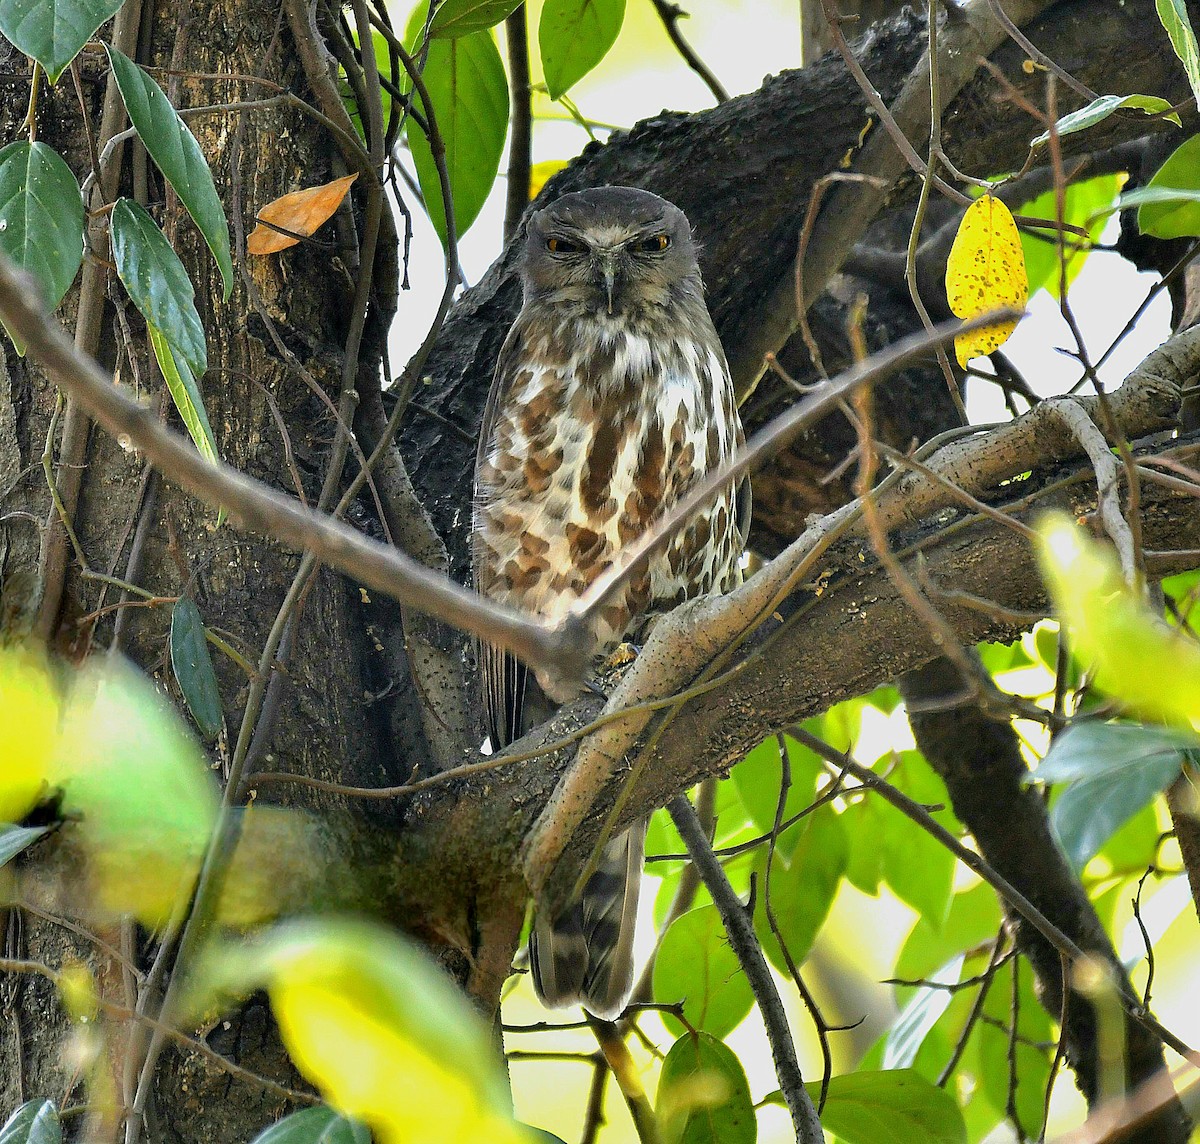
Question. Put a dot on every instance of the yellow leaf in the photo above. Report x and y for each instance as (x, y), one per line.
(29, 711)
(540, 174)
(377, 1075)
(1138, 658)
(376, 1026)
(300, 212)
(985, 271)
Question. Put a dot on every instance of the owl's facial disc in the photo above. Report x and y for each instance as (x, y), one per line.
(610, 265)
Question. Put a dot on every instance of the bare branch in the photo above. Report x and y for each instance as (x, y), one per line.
(269, 513)
(1107, 482)
(671, 14)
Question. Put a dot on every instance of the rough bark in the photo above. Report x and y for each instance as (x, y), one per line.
(344, 646)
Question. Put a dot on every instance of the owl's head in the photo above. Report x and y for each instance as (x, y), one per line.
(618, 251)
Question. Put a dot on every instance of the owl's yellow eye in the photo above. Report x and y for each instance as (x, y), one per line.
(563, 246)
(653, 245)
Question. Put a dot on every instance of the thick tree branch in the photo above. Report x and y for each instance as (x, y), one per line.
(693, 639)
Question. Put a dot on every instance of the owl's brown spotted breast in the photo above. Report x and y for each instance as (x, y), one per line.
(580, 463)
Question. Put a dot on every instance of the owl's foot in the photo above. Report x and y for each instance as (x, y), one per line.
(611, 670)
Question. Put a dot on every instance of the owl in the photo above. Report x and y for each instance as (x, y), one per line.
(611, 398)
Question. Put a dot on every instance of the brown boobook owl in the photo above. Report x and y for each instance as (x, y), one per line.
(611, 398)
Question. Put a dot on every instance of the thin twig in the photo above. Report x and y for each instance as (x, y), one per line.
(593, 1116)
(1036, 54)
(625, 1073)
(520, 136)
(671, 14)
(985, 980)
(744, 942)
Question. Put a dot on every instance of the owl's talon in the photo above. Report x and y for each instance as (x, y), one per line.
(611, 670)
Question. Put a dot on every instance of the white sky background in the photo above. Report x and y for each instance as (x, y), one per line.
(643, 75)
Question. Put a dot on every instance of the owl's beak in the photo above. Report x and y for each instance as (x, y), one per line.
(608, 269)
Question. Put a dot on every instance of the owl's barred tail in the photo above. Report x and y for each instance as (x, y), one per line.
(585, 956)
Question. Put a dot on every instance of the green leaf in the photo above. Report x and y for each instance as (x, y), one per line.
(890, 1107)
(53, 31)
(732, 826)
(999, 657)
(1182, 586)
(931, 1056)
(759, 776)
(14, 839)
(1152, 667)
(1085, 750)
(186, 395)
(1161, 222)
(1101, 108)
(918, 1017)
(469, 92)
(1134, 846)
(193, 667)
(1169, 204)
(35, 1122)
(663, 838)
(137, 791)
(885, 699)
(703, 1095)
(1174, 17)
(974, 917)
(840, 725)
(314, 1126)
(174, 148)
(29, 714)
(41, 217)
(1089, 812)
(160, 288)
(696, 965)
(157, 282)
(1082, 203)
(865, 825)
(803, 889)
(915, 864)
(738, 869)
(455, 18)
(574, 36)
